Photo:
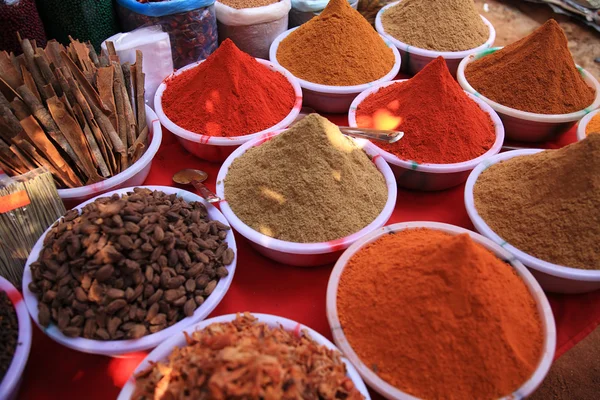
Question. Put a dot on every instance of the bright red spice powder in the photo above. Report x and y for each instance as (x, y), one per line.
(230, 94)
(441, 124)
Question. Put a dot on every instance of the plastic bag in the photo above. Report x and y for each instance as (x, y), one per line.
(370, 8)
(20, 16)
(304, 10)
(92, 20)
(191, 25)
(156, 48)
(253, 29)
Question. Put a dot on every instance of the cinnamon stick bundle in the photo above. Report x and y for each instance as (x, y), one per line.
(77, 113)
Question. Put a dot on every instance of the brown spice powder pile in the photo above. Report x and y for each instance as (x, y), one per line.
(241, 4)
(308, 184)
(448, 25)
(247, 359)
(9, 332)
(339, 48)
(535, 74)
(547, 204)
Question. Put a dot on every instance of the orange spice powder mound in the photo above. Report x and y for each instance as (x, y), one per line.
(439, 316)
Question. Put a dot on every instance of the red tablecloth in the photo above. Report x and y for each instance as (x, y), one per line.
(261, 285)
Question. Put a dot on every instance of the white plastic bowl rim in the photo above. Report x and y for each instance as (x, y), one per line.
(432, 53)
(525, 115)
(427, 167)
(581, 128)
(12, 378)
(117, 347)
(482, 227)
(330, 89)
(390, 391)
(231, 140)
(306, 248)
(162, 352)
(145, 159)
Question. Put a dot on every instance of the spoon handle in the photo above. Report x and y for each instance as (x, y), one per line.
(387, 136)
(205, 192)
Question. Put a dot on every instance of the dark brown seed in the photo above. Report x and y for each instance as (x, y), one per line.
(136, 332)
(155, 297)
(172, 295)
(159, 319)
(102, 334)
(228, 256)
(190, 285)
(71, 331)
(159, 233)
(115, 293)
(131, 227)
(222, 272)
(210, 287)
(104, 273)
(180, 301)
(115, 306)
(113, 325)
(152, 312)
(126, 241)
(43, 315)
(189, 307)
(148, 291)
(147, 247)
(149, 273)
(175, 282)
(64, 317)
(89, 329)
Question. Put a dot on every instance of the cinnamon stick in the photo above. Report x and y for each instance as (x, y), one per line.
(29, 54)
(8, 72)
(104, 81)
(90, 94)
(139, 90)
(44, 65)
(10, 125)
(75, 136)
(29, 82)
(20, 109)
(99, 158)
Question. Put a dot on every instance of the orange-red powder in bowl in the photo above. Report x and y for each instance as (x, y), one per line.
(441, 124)
(229, 94)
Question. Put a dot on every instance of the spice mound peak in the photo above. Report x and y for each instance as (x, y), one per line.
(535, 74)
(449, 25)
(442, 124)
(546, 204)
(338, 48)
(229, 94)
(308, 184)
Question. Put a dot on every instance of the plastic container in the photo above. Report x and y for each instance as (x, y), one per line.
(253, 29)
(552, 277)
(415, 59)
(135, 175)
(334, 99)
(304, 254)
(10, 384)
(430, 177)
(123, 347)
(191, 25)
(303, 11)
(161, 353)
(583, 125)
(217, 149)
(525, 126)
(387, 390)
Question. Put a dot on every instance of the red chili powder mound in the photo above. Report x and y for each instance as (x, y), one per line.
(440, 316)
(229, 94)
(441, 124)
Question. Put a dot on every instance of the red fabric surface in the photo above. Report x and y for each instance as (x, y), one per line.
(261, 285)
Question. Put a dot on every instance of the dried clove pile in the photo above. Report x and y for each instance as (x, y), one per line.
(129, 266)
(9, 332)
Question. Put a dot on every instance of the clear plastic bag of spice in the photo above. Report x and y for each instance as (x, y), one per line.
(191, 25)
(253, 29)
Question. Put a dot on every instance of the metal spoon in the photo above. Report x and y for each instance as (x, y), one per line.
(195, 177)
(387, 136)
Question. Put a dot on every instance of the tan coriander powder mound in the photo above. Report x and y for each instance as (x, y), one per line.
(448, 25)
(308, 184)
(241, 4)
(547, 204)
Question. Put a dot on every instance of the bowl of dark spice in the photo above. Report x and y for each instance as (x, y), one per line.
(15, 339)
(424, 30)
(126, 270)
(335, 56)
(533, 84)
(449, 314)
(542, 206)
(249, 356)
(304, 195)
(215, 105)
(447, 132)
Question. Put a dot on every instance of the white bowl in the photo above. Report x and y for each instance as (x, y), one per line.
(121, 347)
(334, 99)
(387, 390)
(213, 148)
(526, 126)
(162, 352)
(430, 177)
(415, 58)
(9, 386)
(135, 175)
(304, 254)
(552, 277)
(581, 128)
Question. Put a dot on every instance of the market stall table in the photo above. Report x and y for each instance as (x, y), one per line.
(264, 286)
